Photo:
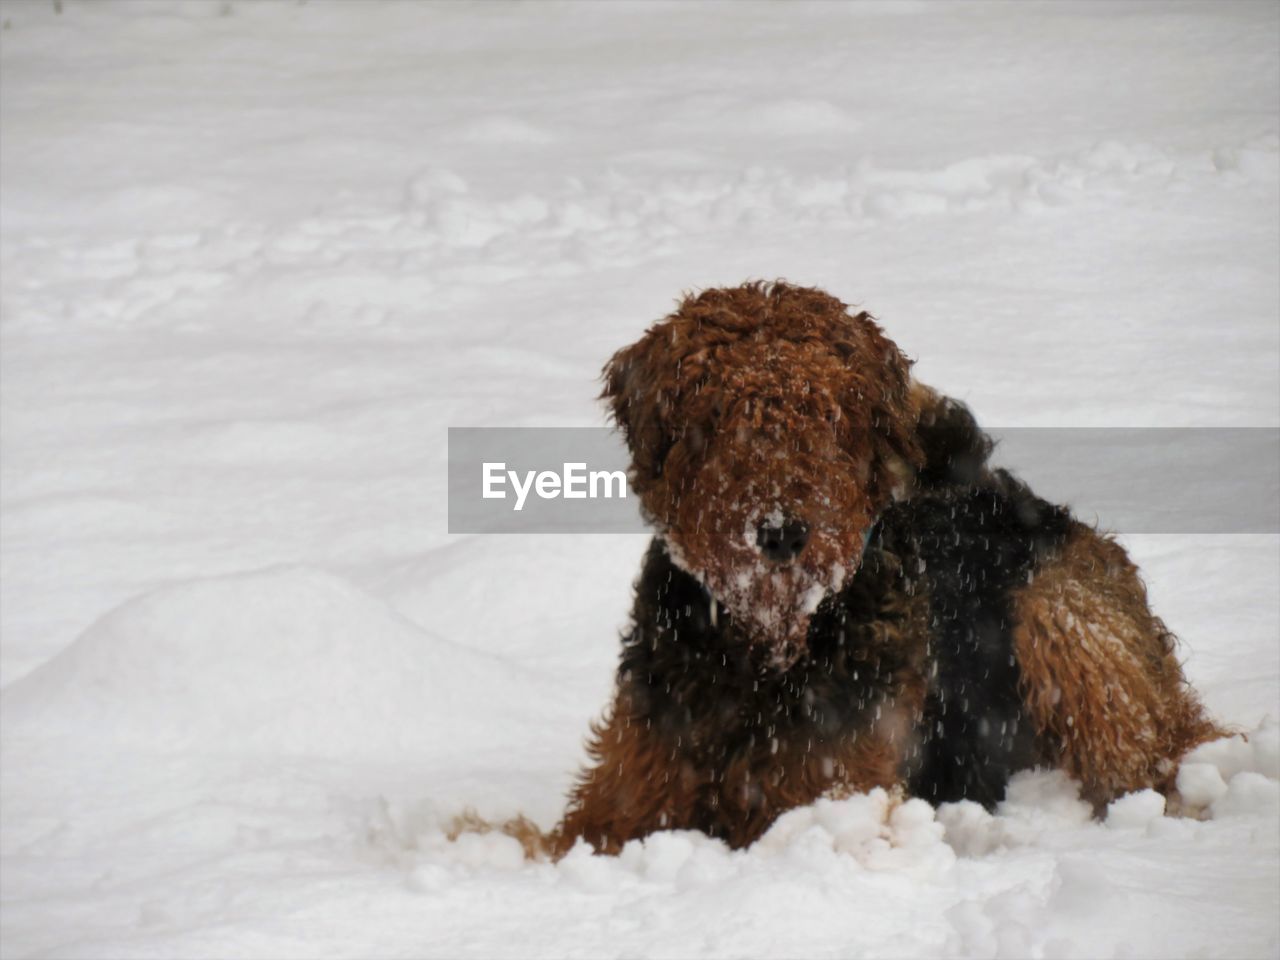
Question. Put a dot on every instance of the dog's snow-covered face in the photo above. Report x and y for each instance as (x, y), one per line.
(768, 428)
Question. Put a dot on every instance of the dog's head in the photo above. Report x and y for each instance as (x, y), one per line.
(768, 427)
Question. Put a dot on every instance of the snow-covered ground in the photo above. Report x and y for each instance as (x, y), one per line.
(257, 258)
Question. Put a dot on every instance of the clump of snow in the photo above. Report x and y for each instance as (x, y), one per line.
(1135, 810)
(879, 832)
(1200, 784)
(1258, 751)
(1234, 775)
(1249, 794)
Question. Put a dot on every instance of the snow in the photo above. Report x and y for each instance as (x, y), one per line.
(257, 257)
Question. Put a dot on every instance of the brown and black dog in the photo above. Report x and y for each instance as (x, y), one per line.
(842, 594)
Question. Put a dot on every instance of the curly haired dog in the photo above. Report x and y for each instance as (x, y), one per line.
(842, 594)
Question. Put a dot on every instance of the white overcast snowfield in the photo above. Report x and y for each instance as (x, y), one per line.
(257, 257)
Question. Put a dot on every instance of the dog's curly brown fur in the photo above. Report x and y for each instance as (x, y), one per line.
(842, 594)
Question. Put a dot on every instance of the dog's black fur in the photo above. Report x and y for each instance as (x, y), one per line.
(972, 547)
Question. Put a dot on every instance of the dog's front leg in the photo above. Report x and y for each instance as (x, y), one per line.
(634, 786)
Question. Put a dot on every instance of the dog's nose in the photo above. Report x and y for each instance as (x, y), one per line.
(783, 541)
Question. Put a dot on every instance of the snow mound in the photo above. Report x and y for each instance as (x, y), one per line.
(293, 660)
(854, 839)
(876, 831)
(1038, 877)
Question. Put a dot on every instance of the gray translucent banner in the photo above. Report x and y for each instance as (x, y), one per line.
(1130, 480)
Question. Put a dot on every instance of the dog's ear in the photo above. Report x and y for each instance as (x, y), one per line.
(637, 402)
(956, 449)
(881, 397)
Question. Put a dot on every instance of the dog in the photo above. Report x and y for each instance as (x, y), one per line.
(843, 594)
